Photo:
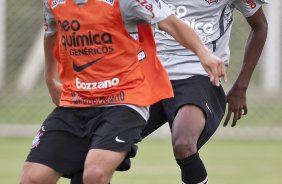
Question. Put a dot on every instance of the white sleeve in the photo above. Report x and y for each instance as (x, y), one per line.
(150, 11)
(49, 21)
(248, 7)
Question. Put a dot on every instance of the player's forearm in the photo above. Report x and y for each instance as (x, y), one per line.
(184, 35)
(253, 52)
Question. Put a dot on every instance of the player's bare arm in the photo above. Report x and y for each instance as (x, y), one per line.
(187, 37)
(236, 98)
(53, 84)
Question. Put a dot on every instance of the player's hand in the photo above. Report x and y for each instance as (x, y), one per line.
(237, 105)
(55, 91)
(215, 67)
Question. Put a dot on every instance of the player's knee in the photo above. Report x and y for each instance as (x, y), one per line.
(30, 179)
(184, 148)
(95, 175)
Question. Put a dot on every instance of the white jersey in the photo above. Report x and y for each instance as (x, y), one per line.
(133, 11)
(212, 20)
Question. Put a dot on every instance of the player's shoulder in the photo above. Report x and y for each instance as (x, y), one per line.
(248, 7)
(46, 3)
(250, 2)
(142, 3)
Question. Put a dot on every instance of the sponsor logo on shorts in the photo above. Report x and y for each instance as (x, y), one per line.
(119, 140)
(110, 2)
(80, 84)
(208, 107)
(36, 139)
(55, 3)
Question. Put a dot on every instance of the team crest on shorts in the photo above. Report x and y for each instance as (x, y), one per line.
(36, 139)
(212, 1)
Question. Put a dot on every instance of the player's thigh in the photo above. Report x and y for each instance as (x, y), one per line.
(156, 119)
(188, 124)
(210, 100)
(59, 145)
(104, 161)
(38, 173)
(119, 131)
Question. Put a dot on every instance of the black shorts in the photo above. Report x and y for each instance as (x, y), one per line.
(67, 134)
(196, 90)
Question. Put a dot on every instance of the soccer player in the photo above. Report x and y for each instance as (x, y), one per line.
(109, 75)
(195, 112)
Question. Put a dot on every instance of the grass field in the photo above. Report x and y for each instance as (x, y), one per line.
(227, 161)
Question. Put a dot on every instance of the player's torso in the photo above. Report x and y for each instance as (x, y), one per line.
(97, 58)
(209, 18)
